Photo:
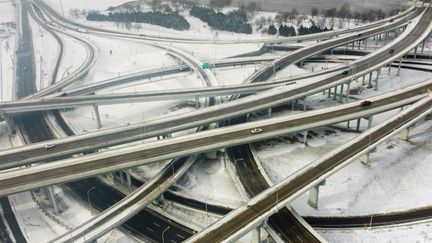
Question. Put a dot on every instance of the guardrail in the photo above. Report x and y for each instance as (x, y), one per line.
(288, 189)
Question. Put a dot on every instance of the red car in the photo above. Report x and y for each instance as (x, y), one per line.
(366, 103)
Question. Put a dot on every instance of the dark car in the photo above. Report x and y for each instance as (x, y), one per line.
(366, 103)
(345, 72)
(391, 51)
(359, 34)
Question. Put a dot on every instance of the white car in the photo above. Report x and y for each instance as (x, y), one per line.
(49, 146)
(256, 130)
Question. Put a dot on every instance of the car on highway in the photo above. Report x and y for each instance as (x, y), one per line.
(366, 103)
(50, 146)
(345, 72)
(256, 130)
(359, 34)
(391, 51)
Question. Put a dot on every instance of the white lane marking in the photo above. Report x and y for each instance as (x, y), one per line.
(149, 229)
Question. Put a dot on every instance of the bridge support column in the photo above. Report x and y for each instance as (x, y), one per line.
(197, 102)
(109, 177)
(370, 79)
(377, 79)
(363, 80)
(52, 199)
(365, 42)
(347, 92)
(128, 179)
(370, 119)
(122, 180)
(358, 125)
(335, 93)
(269, 112)
(415, 52)
(211, 155)
(341, 93)
(305, 137)
(404, 134)
(399, 67)
(160, 200)
(423, 46)
(256, 235)
(169, 135)
(389, 68)
(365, 158)
(314, 194)
(304, 104)
(97, 115)
(10, 124)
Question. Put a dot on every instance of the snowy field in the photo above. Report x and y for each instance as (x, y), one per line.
(7, 43)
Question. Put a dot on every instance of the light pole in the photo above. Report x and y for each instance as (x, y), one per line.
(61, 7)
(88, 198)
(163, 232)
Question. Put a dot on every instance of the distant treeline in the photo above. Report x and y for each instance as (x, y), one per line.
(235, 21)
(290, 31)
(170, 20)
(311, 30)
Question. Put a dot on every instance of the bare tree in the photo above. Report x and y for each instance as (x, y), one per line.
(155, 4)
(137, 26)
(219, 4)
(293, 14)
(252, 8)
(344, 11)
(330, 13)
(314, 12)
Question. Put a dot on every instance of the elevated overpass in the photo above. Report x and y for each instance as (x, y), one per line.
(245, 218)
(128, 206)
(80, 72)
(92, 141)
(61, 171)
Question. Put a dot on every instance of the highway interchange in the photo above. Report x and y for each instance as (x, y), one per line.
(64, 170)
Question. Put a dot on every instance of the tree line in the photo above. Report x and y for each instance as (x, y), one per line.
(170, 20)
(234, 21)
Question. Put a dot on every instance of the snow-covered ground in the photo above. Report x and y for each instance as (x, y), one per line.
(36, 217)
(417, 232)
(46, 50)
(210, 182)
(393, 181)
(7, 47)
(6, 68)
(388, 184)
